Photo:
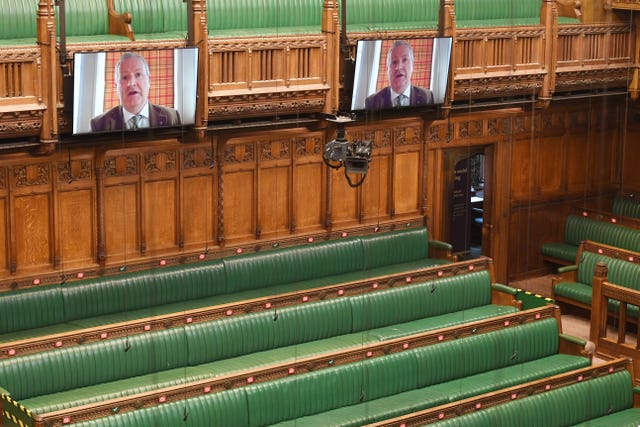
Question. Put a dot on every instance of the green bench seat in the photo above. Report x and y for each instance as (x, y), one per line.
(595, 399)
(416, 378)
(128, 296)
(157, 20)
(579, 228)
(82, 374)
(87, 21)
(620, 272)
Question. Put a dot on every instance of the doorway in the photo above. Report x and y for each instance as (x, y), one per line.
(469, 200)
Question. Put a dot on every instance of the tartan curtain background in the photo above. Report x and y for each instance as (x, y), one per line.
(422, 49)
(161, 68)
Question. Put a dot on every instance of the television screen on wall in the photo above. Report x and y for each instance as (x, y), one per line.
(395, 74)
(133, 90)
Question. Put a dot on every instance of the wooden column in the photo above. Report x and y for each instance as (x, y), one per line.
(549, 18)
(201, 41)
(334, 61)
(599, 307)
(49, 72)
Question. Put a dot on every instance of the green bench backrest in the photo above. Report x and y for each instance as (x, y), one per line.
(158, 16)
(19, 20)
(422, 300)
(31, 308)
(96, 297)
(290, 265)
(263, 17)
(75, 367)
(85, 17)
(579, 228)
(393, 248)
(365, 15)
(626, 206)
(620, 272)
(488, 13)
(267, 330)
(564, 406)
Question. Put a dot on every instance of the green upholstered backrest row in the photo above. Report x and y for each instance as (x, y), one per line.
(18, 22)
(131, 291)
(366, 15)
(472, 13)
(53, 304)
(263, 17)
(626, 206)
(293, 397)
(620, 272)
(564, 406)
(579, 228)
(206, 342)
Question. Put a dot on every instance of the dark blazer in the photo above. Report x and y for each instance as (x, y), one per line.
(113, 119)
(382, 99)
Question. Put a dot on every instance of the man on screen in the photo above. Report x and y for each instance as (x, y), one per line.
(400, 92)
(133, 80)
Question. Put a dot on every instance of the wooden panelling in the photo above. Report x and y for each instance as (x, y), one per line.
(32, 228)
(198, 210)
(376, 191)
(160, 215)
(552, 159)
(406, 183)
(524, 166)
(344, 201)
(274, 200)
(239, 207)
(309, 196)
(122, 222)
(75, 226)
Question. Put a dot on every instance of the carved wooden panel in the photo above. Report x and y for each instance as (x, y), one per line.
(523, 167)
(406, 183)
(32, 229)
(160, 214)
(198, 210)
(376, 203)
(273, 201)
(551, 165)
(309, 191)
(122, 222)
(577, 162)
(344, 200)
(4, 235)
(239, 204)
(76, 227)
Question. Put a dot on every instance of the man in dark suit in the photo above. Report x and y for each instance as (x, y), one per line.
(400, 92)
(133, 81)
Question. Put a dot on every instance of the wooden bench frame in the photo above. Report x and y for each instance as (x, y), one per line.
(570, 273)
(606, 346)
(325, 361)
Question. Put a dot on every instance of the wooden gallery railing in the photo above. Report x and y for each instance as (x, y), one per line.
(611, 345)
(245, 75)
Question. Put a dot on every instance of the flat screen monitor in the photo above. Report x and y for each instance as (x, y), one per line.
(394, 74)
(119, 91)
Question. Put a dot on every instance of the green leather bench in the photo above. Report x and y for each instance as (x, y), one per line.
(626, 206)
(501, 13)
(157, 20)
(600, 401)
(579, 291)
(244, 18)
(580, 228)
(92, 302)
(18, 23)
(366, 16)
(378, 388)
(121, 366)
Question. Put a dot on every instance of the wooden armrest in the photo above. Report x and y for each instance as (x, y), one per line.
(119, 23)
